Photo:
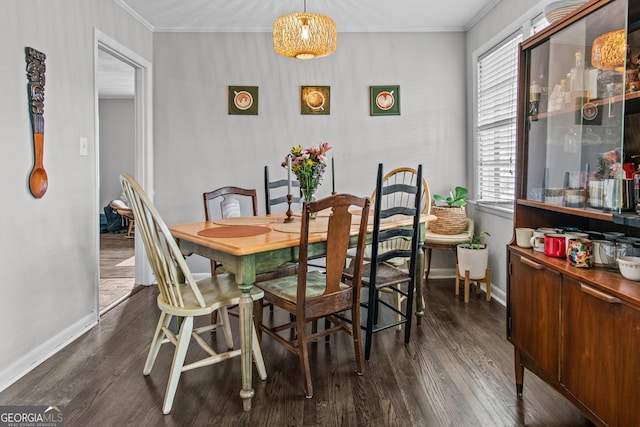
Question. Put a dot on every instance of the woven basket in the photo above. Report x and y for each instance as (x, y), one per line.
(450, 220)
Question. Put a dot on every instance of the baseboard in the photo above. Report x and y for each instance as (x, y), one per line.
(497, 294)
(12, 373)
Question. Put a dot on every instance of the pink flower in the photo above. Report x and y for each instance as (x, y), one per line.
(308, 164)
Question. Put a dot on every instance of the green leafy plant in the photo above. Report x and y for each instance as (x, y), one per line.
(457, 197)
(475, 240)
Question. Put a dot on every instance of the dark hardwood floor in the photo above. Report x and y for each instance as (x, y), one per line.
(457, 371)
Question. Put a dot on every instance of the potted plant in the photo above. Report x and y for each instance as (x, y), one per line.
(450, 212)
(473, 256)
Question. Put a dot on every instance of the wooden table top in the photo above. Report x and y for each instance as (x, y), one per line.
(272, 240)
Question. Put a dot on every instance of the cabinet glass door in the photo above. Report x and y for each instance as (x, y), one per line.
(575, 123)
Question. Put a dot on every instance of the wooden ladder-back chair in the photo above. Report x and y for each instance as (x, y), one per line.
(225, 202)
(182, 298)
(379, 274)
(313, 295)
(271, 187)
(275, 195)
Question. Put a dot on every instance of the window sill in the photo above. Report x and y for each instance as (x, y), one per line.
(501, 211)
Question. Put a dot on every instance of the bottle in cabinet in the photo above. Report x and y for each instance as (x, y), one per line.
(576, 82)
(636, 189)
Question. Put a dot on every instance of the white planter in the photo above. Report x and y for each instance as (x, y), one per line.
(474, 260)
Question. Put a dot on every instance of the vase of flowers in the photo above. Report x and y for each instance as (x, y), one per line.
(308, 165)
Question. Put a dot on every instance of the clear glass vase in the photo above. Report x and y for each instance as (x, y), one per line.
(308, 195)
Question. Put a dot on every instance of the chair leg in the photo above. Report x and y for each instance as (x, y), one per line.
(130, 229)
(372, 308)
(303, 354)
(257, 354)
(409, 313)
(375, 311)
(214, 314)
(356, 332)
(467, 281)
(163, 322)
(178, 361)
(258, 307)
(427, 255)
(226, 326)
(397, 300)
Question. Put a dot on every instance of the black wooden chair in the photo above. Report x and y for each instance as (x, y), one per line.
(313, 295)
(380, 275)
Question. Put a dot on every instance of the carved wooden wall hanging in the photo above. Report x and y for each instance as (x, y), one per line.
(38, 181)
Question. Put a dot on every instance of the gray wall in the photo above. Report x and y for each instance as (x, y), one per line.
(50, 257)
(199, 146)
(504, 19)
(117, 127)
(50, 262)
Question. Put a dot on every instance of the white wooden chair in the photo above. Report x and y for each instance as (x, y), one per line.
(182, 298)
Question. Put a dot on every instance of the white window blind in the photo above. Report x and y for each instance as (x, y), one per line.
(497, 74)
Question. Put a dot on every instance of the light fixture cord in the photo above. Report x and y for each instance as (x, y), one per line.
(305, 6)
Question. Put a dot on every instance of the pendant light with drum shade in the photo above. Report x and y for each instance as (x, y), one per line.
(304, 35)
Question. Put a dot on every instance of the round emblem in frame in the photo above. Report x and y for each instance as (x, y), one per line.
(315, 100)
(385, 100)
(589, 111)
(243, 100)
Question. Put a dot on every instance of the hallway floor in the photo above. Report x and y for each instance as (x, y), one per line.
(117, 269)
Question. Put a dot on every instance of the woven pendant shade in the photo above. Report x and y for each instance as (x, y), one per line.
(304, 35)
(609, 51)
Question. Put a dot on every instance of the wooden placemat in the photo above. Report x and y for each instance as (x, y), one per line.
(245, 220)
(316, 226)
(235, 231)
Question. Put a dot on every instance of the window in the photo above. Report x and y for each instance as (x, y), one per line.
(497, 76)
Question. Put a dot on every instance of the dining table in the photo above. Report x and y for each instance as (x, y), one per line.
(247, 246)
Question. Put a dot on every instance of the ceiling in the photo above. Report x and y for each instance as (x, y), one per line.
(349, 15)
(116, 79)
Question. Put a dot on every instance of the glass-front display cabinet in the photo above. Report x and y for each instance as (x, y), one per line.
(580, 138)
(578, 135)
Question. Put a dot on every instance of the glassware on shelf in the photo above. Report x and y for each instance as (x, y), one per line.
(534, 98)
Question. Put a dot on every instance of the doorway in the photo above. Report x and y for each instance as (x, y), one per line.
(116, 121)
(123, 141)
